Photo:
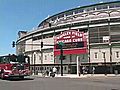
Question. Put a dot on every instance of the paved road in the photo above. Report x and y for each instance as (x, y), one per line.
(37, 83)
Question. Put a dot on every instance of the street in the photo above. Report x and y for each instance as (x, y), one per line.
(39, 83)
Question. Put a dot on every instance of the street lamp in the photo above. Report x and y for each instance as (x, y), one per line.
(61, 44)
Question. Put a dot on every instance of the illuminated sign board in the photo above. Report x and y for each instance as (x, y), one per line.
(71, 39)
(75, 42)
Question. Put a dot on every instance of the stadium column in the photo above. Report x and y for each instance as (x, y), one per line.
(110, 45)
(42, 53)
(105, 63)
(34, 63)
(89, 46)
(32, 53)
(54, 44)
(50, 25)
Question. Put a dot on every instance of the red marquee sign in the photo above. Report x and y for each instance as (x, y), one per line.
(75, 42)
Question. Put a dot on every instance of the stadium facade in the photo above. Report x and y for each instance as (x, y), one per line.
(90, 34)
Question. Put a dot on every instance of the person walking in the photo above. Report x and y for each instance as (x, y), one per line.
(93, 70)
(47, 73)
(83, 69)
(54, 70)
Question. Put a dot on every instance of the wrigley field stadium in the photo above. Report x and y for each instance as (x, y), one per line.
(87, 36)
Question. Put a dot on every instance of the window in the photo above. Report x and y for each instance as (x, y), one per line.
(96, 55)
(37, 38)
(61, 16)
(45, 57)
(51, 57)
(54, 18)
(38, 68)
(114, 5)
(111, 6)
(34, 58)
(69, 13)
(83, 57)
(45, 68)
(40, 58)
(90, 9)
(41, 68)
(65, 68)
(78, 11)
(117, 54)
(117, 5)
(103, 56)
(102, 7)
(32, 68)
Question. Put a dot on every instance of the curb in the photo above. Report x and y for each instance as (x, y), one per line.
(75, 76)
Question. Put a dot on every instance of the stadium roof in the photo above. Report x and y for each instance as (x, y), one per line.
(104, 3)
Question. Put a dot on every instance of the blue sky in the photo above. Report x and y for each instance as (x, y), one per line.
(16, 15)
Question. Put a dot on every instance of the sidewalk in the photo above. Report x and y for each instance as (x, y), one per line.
(81, 76)
(87, 75)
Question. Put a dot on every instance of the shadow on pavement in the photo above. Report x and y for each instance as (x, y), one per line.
(18, 79)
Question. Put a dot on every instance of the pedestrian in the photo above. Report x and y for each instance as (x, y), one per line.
(93, 70)
(54, 70)
(83, 69)
(50, 73)
(86, 70)
(57, 70)
(47, 73)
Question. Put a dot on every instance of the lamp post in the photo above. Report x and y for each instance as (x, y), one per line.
(61, 57)
(60, 44)
(89, 47)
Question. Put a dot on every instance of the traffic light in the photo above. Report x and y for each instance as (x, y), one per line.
(60, 45)
(41, 44)
(13, 44)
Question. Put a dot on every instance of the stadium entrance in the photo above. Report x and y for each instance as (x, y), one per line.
(75, 44)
